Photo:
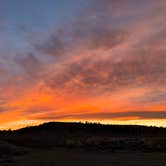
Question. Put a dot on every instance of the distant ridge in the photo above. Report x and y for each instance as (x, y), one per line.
(89, 136)
(92, 127)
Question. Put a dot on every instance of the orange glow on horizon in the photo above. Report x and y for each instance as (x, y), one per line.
(36, 107)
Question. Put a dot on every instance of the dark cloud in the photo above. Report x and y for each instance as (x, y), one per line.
(29, 62)
(152, 97)
(108, 116)
(55, 45)
(95, 37)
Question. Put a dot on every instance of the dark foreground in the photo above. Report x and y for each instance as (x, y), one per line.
(77, 144)
(73, 157)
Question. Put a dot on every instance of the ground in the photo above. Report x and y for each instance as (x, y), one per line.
(76, 144)
(73, 157)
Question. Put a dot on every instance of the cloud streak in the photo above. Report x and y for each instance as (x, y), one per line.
(107, 116)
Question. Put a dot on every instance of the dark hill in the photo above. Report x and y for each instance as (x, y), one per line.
(89, 136)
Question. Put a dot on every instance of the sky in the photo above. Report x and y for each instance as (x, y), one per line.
(82, 60)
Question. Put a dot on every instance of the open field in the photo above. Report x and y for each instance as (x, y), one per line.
(65, 157)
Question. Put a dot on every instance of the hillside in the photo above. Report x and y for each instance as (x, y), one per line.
(89, 136)
(61, 144)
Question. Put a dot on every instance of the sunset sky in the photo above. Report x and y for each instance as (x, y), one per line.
(82, 60)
